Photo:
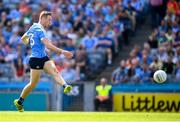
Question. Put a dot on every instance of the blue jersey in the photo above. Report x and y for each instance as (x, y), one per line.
(36, 33)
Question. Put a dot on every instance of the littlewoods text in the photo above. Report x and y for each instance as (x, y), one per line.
(149, 104)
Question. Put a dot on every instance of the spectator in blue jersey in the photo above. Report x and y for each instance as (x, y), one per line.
(110, 16)
(7, 32)
(2, 54)
(69, 73)
(119, 75)
(163, 26)
(69, 45)
(146, 74)
(177, 72)
(89, 42)
(176, 42)
(105, 44)
(137, 75)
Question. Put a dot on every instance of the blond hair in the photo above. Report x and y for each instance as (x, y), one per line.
(45, 14)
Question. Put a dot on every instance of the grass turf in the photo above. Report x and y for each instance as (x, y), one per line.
(8, 116)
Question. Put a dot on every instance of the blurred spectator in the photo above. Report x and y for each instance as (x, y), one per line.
(69, 74)
(156, 64)
(103, 98)
(163, 27)
(15, 39)
(104, 43)
(156, 10)
(136, 78)
(177, 72)
(80, 60)
(26, 63)
(89, 41)
(82, 22)
(176, 42)
(161, 51)
(18, 66)
(172, 6)
(153, 41)
(119, 75)
(168, 66)
(162, 54)
(69, 45)
(146, 74)
(2, 54)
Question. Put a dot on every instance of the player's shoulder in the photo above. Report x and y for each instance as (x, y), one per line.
(36, 27)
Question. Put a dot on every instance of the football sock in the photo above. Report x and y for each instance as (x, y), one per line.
(21, 100)
(64, 86)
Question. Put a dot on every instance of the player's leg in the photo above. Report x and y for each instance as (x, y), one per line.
(50, 68)
(34, 78)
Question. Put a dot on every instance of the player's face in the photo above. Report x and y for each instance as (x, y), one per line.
(48, 21)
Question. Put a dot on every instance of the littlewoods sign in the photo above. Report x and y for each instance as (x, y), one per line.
(147, 102)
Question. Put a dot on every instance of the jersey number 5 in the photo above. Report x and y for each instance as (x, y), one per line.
(31, 39)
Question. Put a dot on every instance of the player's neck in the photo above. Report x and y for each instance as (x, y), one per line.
(41, 24)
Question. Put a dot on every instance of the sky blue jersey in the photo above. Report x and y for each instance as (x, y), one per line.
(36, 33)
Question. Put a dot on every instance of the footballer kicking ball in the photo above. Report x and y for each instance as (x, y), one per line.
(160, 76)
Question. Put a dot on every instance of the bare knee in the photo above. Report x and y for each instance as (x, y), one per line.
(32, 85)
(55, 72)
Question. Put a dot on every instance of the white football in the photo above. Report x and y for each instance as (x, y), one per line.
(160, 76)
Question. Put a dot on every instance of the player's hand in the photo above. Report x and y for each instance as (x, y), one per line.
(67, 54)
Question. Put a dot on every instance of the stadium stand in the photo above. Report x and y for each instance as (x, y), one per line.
(92, 29)
(160, 51)
(96, 31)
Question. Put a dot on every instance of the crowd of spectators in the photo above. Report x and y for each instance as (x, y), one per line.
(93, 30)
(160, 51)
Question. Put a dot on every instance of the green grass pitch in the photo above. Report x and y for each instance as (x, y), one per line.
(8, 116)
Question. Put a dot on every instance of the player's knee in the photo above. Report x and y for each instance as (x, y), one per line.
(32, 85)
(55, 72)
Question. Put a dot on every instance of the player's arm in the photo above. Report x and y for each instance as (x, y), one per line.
(25, 39)
(53, 48)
